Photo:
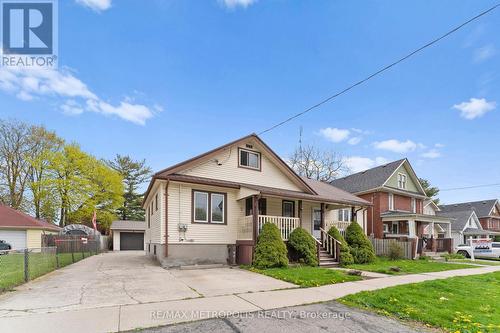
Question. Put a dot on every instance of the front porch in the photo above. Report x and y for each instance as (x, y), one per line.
(433, 232)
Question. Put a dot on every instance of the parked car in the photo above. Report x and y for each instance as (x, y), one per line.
(4, 247)
(491, 250)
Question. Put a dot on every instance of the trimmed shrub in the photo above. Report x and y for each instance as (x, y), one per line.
(270, 250)
(396, 251)
(497, 238)
(361, 247)
(346, 257)
(304, 246)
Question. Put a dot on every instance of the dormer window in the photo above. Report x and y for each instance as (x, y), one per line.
(249, 159)
(402, 181)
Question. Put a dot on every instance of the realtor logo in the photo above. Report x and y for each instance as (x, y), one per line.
(29, 33)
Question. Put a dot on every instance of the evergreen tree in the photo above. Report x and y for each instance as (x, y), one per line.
(134, 173)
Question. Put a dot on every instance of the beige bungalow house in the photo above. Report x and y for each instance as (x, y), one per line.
(210, 208)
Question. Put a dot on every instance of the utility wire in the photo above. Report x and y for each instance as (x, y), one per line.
(469, 187)
(380, 71)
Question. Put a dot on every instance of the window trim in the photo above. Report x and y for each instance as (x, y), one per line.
(283, 202)
(223, 208)
(156, 202)
(413, 205)
(209, 208)
(395, 223)
(391, 201)
(342, 211)
(253, 152)
(403, 177)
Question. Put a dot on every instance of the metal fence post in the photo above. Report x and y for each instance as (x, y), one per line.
(26, 266)
(72, 251)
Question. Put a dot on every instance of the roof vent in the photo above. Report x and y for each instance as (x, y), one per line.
(249, 146)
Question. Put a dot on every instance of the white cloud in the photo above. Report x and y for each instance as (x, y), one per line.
(237, 3)
(484, 53)
(474, 108)
(439, 145)
(354, 140)
(335, 134)
(97, 5)
(69, 91)
(358, 163)
(397, 146)
(431, 153)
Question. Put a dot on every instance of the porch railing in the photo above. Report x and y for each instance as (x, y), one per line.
(340, 225)
(285, 224)
(245, 228)
(330, 244)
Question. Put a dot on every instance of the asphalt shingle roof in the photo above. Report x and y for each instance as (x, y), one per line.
(482, 208)
(11, 218)
(461, 218)
(368, 179)
(128, 225)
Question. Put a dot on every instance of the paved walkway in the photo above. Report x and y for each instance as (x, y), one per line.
(130, 316)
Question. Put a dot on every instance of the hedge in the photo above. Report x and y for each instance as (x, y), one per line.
(361, 247)
(304, 246)
(270, 250)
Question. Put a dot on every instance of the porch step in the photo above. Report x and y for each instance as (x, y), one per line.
(326, 260)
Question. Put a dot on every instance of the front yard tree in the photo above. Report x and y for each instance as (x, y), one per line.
(303, 246)
(134, 173)
(360, 245)
(431, 191)
(270, 250)
(313, 163)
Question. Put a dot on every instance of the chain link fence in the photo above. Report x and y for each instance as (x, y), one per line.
(20, 266)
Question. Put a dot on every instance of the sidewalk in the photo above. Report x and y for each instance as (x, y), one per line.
(128, 317)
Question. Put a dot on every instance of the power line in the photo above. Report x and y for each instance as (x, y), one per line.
(469, 187)
(382, 70)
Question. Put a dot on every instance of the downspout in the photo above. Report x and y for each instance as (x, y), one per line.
(372, 234)
(166, 220)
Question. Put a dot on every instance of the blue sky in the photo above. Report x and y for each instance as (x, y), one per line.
(165, 80)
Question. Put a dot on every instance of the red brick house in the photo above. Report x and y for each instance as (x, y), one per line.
(400, 207)
(487, 211)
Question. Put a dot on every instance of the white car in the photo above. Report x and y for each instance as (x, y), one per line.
(491, 250)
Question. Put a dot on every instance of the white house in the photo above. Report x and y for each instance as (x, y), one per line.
(211, 208)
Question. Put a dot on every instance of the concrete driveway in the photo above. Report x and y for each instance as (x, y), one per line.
(124, 278)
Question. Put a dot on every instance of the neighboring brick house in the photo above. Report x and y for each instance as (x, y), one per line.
(398, 202)
(487, 211)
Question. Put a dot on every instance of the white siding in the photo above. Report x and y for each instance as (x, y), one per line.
(156, 232)
(270, 175)
(179, 211)
(429, 210)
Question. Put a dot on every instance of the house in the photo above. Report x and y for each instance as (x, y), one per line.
(471, 218)
(21, 230)
(128, 235)
(487, 211)
(210, 208)
(400, 208)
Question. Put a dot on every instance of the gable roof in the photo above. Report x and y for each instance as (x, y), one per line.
(165, 173)
(460, 215)
(482, 208)
(14, 219)
(374, 178)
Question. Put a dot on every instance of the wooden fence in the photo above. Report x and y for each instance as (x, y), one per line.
(381, 246)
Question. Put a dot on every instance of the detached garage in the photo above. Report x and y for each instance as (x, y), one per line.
(22, 231)
(128, 235)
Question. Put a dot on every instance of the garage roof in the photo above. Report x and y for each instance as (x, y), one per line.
(14, 219)
(128, 225)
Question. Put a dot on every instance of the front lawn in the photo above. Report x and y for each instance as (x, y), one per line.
(461, 304)
(485, 262)
(307, 276)
(383, 265)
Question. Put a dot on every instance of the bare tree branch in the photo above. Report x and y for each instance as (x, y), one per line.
(313, 163)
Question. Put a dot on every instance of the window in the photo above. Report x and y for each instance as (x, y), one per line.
(386, 228)
(156, 201)
(395, 227)
(262, 206)
(149, 221)
(217, 208)
(288, 208)
(209, 207)
(391, 201)
(401, 181)
(249, 159)
(413, 205)
(345, 215)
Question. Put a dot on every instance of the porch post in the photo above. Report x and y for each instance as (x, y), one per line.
(432, 229)
(449, 231)
(255, 216)
(300, 213)
(323, 216)
(412, 233)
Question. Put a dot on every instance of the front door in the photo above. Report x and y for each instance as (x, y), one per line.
(316, 225)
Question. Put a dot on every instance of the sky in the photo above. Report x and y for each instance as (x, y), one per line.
(167, 80)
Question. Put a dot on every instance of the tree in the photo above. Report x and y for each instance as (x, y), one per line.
(134, 173)
(361, 247)
(46, 145)
(313, 163)
(15, 148)
(303, 246)
(270, 250)
(431, 191)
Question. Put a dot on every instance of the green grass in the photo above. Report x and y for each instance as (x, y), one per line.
(461, 304)
(485, 262)
(306, 276)
(12, 266)
(383, 265)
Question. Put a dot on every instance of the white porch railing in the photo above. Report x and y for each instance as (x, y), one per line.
(245, 228)
(285, 224)
(340, 225)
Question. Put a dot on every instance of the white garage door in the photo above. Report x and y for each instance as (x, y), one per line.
(16, 238)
